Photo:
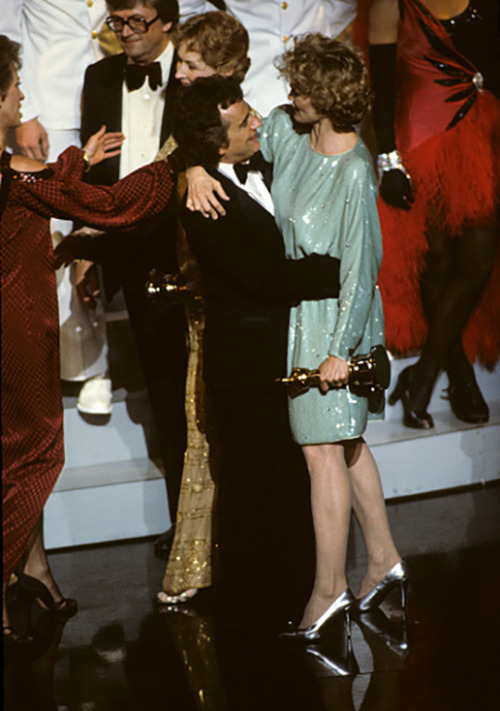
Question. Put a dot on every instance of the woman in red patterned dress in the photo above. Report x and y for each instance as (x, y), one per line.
(32, 411)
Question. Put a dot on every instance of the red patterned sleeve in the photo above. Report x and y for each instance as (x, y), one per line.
(141, 195)
(69, 164)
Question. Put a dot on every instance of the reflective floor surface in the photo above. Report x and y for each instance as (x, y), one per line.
(120, 654)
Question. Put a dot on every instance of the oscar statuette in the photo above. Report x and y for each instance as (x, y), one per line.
(167, 289)
(370, 373)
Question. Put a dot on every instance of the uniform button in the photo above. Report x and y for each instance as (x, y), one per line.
(94, 34)
(285, 38)
(91, 2)
(284, 5)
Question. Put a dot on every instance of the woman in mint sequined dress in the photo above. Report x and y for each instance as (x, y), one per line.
(324, 191)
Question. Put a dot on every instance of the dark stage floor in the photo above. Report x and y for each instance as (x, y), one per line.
(120, 654)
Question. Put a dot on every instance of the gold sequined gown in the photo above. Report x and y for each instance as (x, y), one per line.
(190, 560)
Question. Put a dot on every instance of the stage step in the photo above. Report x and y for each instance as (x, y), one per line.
(112, 489)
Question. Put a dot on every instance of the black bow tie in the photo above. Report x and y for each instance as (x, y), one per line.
(256, 162)
(135, 75)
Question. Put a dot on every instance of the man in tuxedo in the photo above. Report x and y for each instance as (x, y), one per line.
(262, 511)
(135, 92)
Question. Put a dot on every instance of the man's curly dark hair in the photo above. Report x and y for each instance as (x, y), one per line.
(199, 128)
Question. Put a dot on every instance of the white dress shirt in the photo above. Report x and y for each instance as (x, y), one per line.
(254, 185)
(142, 113)
(271, 24)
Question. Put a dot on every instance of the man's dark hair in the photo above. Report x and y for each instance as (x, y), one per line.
(168, 10)
(199, 128)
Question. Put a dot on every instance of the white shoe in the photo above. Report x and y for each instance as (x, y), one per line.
(95, 396)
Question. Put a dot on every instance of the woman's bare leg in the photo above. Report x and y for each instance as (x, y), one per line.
(331, 509)
(369, 507)
(37, 564)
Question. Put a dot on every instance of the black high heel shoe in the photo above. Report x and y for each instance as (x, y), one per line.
(16, 646)
(30, 589)
(413, 416)
(14, 638)
(467, 402)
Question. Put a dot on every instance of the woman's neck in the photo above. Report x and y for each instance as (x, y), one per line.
(325, 139)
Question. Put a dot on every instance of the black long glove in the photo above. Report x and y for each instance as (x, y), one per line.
(395, 186)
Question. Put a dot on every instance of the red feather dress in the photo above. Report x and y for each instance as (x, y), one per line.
(448, 133)
(32, 411)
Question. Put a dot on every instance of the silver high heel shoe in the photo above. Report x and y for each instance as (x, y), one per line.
(394, 636)
(397, 576)
(336, 667)
(340, 606)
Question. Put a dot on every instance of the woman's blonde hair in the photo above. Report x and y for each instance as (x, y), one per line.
(220, 39)
(332, 74)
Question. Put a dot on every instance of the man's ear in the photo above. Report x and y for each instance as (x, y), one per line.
(167, 27)
(222, 151)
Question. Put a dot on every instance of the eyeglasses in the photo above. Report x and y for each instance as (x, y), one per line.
(136, 23)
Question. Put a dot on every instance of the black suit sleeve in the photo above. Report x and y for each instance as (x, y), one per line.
(102, 104)
(91, 119)
(85, 130)
(238, 251)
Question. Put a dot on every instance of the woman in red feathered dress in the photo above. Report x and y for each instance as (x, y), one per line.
(32, 410)
(436, 72)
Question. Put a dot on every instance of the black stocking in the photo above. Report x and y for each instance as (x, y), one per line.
(457, 271)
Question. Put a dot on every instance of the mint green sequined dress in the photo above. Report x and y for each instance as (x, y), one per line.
(327, 205)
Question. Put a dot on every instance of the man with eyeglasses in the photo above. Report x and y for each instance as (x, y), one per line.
(135, 92)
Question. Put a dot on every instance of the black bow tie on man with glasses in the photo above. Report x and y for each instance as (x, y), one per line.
(135, 75)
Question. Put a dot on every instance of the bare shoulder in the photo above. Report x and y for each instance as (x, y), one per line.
(26, 165)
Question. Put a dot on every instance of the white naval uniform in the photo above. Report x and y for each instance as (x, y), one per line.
(271, 24)
(59, 39)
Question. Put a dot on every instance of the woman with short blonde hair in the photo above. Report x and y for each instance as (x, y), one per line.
(220, 40)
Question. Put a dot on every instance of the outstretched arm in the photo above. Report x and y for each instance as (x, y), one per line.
(246, 255)
(140, 196)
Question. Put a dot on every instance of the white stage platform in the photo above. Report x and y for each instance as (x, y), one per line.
(111, 488)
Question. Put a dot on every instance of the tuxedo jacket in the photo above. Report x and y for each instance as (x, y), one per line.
(249, 286)
(123, 262)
